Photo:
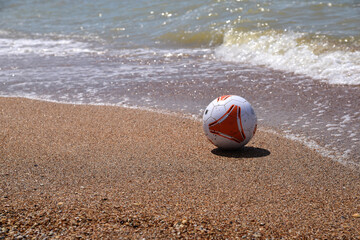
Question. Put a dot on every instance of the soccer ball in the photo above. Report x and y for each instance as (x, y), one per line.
(229, 122)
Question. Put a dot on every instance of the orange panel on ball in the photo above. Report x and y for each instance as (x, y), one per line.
(228, 126)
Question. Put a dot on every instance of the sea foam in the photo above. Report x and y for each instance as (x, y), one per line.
(287, 52)
(43, 47)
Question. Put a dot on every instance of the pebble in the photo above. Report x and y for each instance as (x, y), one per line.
(257, 235)
(356, 215)
(60, 203)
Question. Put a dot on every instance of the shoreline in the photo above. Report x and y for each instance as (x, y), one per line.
(80, 170)
(341, 157)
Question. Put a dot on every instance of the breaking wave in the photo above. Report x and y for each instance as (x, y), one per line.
(335, 61)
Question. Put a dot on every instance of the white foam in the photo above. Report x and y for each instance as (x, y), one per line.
(347, 118)
(284, 51)
(333, 154)
(42, 47)
(151, 53)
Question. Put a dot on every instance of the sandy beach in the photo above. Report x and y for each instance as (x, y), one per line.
(79, 171)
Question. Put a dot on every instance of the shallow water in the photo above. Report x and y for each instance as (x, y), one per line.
(297, 63)
(314, 38)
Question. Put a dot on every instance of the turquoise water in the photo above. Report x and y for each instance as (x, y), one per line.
(297, 62)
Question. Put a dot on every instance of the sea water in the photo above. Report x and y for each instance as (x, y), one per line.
(297, 62)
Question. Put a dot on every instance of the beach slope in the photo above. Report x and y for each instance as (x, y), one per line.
(110, 172)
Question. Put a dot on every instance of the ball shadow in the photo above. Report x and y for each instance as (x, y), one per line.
(244, 152)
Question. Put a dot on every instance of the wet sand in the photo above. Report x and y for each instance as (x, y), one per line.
(82, 171)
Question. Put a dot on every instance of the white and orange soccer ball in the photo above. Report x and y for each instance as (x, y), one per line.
(229, 122)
